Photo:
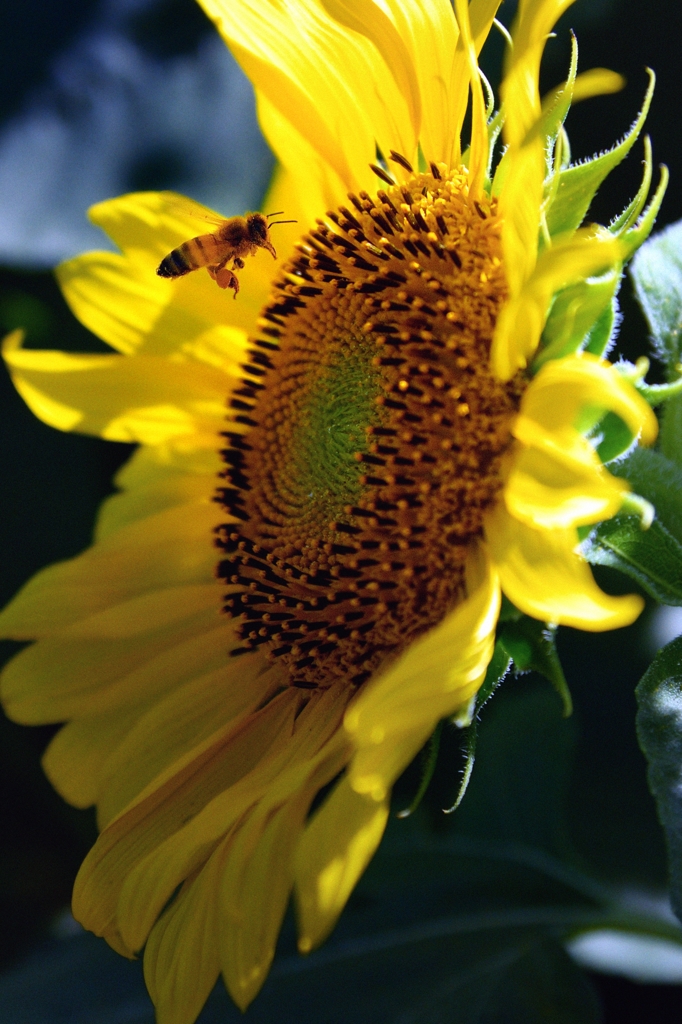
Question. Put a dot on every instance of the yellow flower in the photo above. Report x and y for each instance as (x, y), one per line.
(391, 464)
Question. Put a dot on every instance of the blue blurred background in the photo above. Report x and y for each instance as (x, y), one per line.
(100, 97)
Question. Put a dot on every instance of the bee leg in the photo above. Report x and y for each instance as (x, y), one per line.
(238, 263)
(224, 278)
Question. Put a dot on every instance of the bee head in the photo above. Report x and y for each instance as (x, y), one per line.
(259, 234)
(258, 227)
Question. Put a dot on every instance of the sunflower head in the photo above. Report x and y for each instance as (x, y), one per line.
(401, 421)
(376, 431)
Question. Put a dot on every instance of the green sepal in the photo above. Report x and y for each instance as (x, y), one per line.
(429, 759)
(616, 437)
(470, 741)
(581, 316)
(635, 236)
(578, 184)
(658, 394)
(659, 730)
(531, 646)
(632, 211)
(556, 107)
(654, 394)
(498, 668)
(599, 337)
(652, 557)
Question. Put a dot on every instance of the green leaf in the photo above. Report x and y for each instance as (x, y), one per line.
(670, 437)
(657, 479)
(531, 646)
(659, 729)
(540, 983)
(657, 275)
(579, 183)
(652, 557)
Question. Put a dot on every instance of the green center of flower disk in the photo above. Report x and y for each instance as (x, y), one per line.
(368, 431)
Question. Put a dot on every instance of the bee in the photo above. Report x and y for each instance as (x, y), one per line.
(233, 239)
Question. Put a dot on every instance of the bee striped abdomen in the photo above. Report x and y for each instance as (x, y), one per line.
(197, 252)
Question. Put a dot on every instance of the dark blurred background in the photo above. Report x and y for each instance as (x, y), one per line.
(99, 97)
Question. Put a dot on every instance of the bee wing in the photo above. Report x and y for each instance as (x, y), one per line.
(191, 217)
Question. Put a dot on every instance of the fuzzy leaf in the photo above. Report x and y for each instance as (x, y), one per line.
(659, 729)
(657, 479)
(657, 275)
(652, 557)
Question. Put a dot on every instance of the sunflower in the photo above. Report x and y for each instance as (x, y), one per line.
(338, 475)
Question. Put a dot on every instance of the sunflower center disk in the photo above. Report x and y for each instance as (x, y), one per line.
(375, 431)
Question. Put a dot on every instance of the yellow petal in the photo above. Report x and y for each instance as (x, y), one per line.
(181, 958)
(148, 465)
(520, 202)
(335, 849)
(550, 487)
(565, 387)
(138, 398)
(479, 147)
(542, 574)
(315, 71)
(258, 877)
(175, 797)
(430, 32)
(272, 774)
(134, 310)
(596, 82)
(146, 613)
(169, 549)
(74, 759)
(376, 765)
(316, 186)
(395, 35)
(521, 193)
(396, 712)
(166, 491)
(534, 21)
(179, 722)
(481, 14)
(254, 893)
(54, 679)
